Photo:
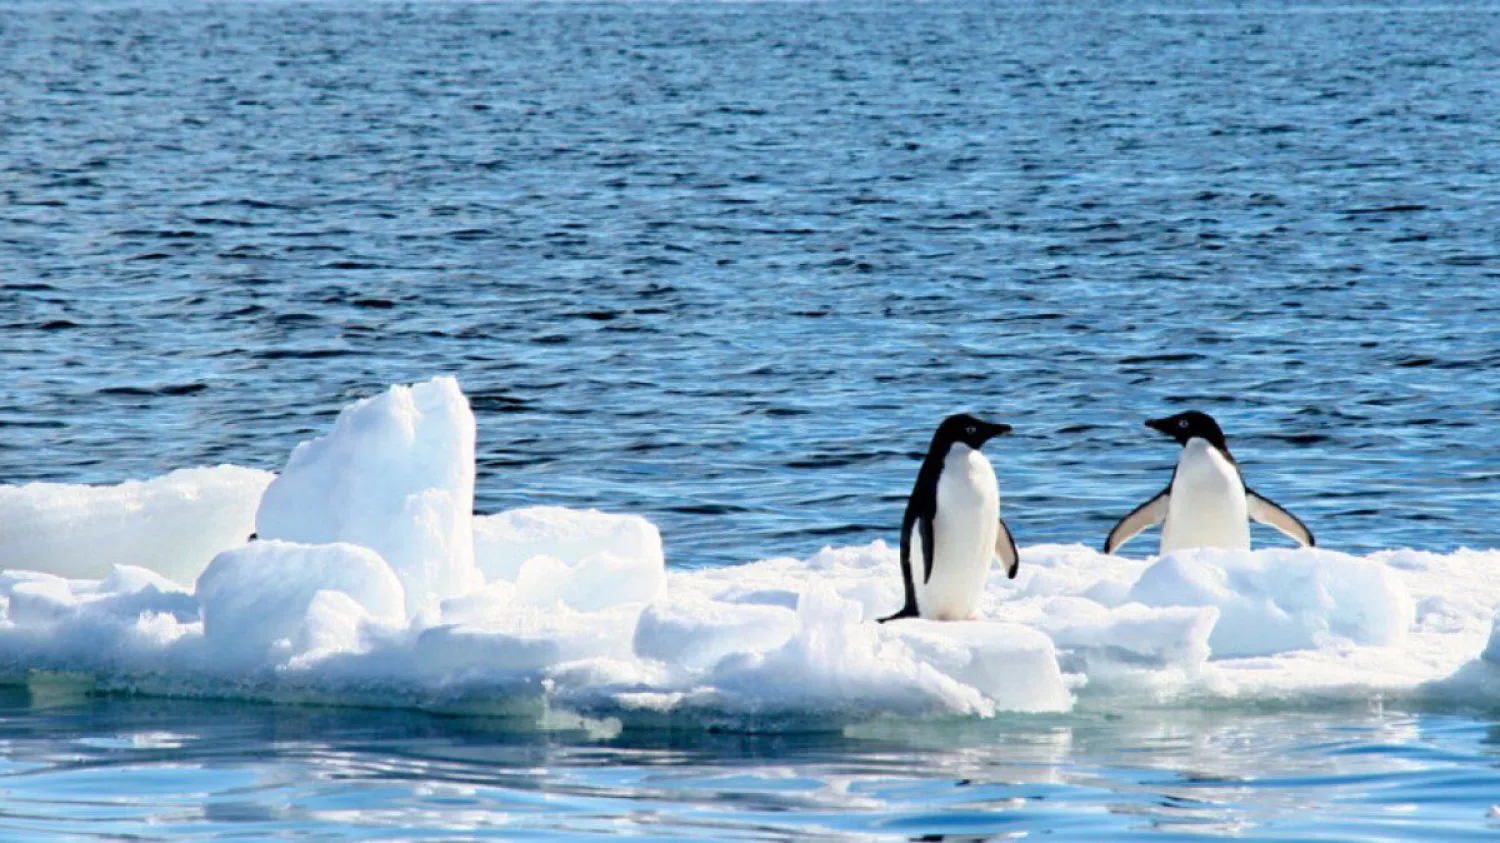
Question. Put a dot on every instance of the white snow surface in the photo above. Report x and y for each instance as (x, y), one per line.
(552, 553)
(373, 584)
(396, 475)
(173, 525)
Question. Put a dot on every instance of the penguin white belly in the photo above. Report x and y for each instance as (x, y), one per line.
(1207, 506)
(967, 522)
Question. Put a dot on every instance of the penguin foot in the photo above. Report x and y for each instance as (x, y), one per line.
(907, 612)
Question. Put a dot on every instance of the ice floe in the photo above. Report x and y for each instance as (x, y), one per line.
(373, 583)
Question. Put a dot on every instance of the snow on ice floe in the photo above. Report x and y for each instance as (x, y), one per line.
(557, 554)
(373, 583)
(270, 601)
(396, 475)
(1275, 601)
(173, 524)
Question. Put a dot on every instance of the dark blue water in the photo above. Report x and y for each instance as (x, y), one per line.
(725, 265)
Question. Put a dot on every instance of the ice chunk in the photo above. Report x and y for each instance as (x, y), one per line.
(1131, 649)
(395, 475)
(1273, 601)
(876, 555)
(1013, 666)
(256, 599)
(835, 664)
(494, 631)
(333, 625)
(1133, 634)
(130, 592)
(42, 601)
(128, 579)
(595, 582)
(523, 639)
(506, 541)
(584, 559)
(696, 635)
(130, 628)
(172, 525)
(31, 598)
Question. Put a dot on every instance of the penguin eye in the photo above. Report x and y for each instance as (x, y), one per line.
(971, 430)
(1182, 423)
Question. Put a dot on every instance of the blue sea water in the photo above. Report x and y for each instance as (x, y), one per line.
(121, 768)
(725, 265)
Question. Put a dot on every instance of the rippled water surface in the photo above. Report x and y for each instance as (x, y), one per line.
(111, 767)
(725, 265)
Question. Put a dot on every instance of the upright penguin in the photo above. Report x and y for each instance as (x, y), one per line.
(1207, 503)
(952, 524)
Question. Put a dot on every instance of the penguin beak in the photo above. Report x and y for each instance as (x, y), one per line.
(998, 430)
(1162, 425)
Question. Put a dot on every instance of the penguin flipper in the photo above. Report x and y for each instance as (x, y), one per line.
(1148, 514)
(1005, 548)
(1270, 513)
(909, 608)
(929, 545)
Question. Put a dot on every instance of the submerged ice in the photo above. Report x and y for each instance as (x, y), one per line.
(373, 583)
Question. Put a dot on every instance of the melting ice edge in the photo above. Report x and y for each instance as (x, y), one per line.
(373, 584)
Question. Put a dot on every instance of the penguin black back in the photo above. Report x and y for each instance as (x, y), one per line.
(961, 429)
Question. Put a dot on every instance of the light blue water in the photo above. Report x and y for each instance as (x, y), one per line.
(725, 265)
(113, 767)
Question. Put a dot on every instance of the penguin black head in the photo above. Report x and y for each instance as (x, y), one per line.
(968, 430)
(1191, 425)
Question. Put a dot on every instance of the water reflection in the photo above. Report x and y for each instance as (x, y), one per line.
(87, 764)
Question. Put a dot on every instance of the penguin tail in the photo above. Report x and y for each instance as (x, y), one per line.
(907, 611)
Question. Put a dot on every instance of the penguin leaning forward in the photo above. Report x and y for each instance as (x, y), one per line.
(1207, 503)
(952, 527)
